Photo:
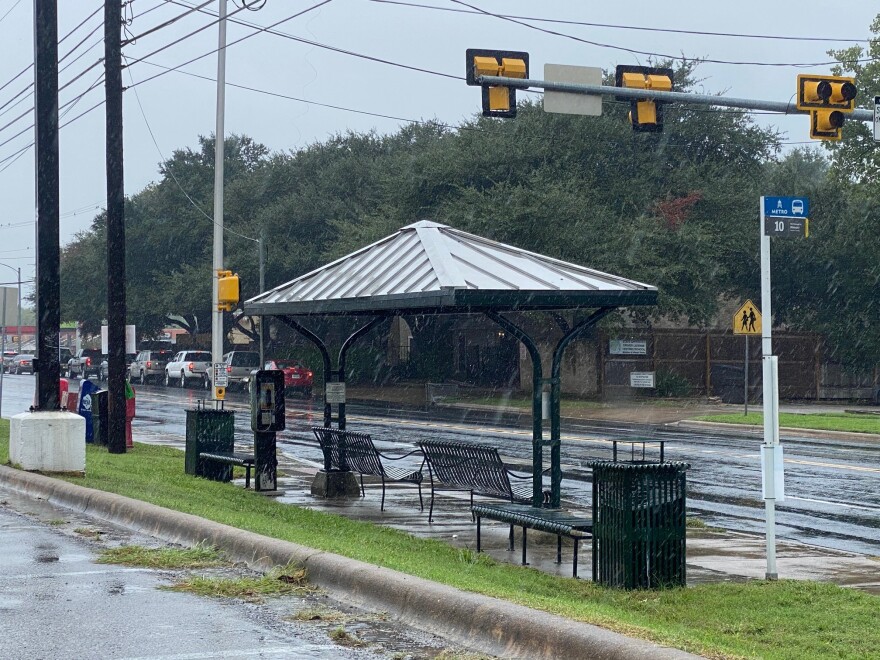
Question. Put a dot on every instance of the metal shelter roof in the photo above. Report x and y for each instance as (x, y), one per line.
(430, 267)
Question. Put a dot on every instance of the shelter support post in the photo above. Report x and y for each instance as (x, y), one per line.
(556, 399)
(311, 336)
(340, 374)
(537, 384)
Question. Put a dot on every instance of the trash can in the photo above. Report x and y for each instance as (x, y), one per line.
(639, 524)
(209, 430)
(100, 420)
(86, 390)
(68, 398)
(129, 414)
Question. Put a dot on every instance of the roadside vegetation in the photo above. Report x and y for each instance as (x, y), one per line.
(162, 558)
(277, 582)
(785, 619)
(853, 423)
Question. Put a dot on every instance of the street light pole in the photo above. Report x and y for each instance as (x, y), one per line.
(219, 144)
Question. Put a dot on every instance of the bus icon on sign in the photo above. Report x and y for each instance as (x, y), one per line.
(797, 207)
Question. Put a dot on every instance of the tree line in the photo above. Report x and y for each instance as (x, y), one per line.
(677, 209)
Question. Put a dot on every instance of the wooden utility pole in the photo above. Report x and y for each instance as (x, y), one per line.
(116, 308)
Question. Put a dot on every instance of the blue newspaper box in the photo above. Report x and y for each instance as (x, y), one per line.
(86, 390)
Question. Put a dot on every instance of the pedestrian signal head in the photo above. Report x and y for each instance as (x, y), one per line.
(498, 100)
(228, 290)
(646, 115)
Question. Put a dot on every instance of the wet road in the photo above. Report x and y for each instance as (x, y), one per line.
(832, 498)
(57, 602)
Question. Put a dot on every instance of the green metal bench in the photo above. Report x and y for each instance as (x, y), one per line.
(552, 521)
(349, 451)
(475, 468)
(231, 458)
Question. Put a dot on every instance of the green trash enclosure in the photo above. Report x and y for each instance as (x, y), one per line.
(639, 524)
(211, 431)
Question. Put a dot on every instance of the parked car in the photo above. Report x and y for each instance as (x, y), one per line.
(23, 364)
(104, 371)
(188, 367)
(64, 355)
(9, 361)
(239, 365)
(86, 362)
(297, 378)
(150, 364)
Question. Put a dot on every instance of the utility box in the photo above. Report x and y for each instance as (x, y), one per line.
(639, 524)
(211, 431)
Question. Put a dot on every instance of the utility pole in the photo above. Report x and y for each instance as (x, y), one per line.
(219, 144)
(116, 307)
(48, 298)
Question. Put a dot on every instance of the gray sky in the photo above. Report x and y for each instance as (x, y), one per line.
(180, 107)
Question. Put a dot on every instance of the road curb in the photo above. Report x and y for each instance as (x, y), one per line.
(496, 626)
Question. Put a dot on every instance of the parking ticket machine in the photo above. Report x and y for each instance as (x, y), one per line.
(267, 418)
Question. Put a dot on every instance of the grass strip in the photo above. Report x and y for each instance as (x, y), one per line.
(278, 582)
(852, 423)
(162, 558)
(784, 619)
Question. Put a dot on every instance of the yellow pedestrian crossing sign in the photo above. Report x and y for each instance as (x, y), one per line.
(747, 320)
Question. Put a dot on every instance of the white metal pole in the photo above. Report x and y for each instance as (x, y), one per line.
(19, 312)
(219, 139)
(262, 247)
(770, 402)
(3, 350)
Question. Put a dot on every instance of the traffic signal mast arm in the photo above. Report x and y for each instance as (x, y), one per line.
(671, 97)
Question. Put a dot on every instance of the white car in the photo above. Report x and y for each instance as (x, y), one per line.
(187, 367)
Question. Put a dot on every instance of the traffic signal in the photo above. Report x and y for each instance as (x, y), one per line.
(828, 99)
(498, 101)
(228, 290)
(646, 115)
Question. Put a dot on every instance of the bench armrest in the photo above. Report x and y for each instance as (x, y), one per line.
(513, 474)
(397, 458)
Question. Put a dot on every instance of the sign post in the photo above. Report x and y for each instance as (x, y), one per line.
(785, 217)
(747, 321)
(877, 119)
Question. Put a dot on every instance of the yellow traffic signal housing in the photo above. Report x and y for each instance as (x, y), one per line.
(826, 124)
(498, 101)
(228, 290)
(828, 99)
(820, 92)
(646, 115)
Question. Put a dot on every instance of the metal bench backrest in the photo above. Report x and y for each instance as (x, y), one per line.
(348, 451)
(470, 466)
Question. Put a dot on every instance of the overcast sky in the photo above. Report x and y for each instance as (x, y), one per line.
(180, 107)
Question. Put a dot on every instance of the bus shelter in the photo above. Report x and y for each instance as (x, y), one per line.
(431, 268)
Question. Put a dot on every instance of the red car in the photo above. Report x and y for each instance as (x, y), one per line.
(296, 376)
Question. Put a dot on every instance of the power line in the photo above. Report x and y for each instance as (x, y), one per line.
(648, 53)
(9, 11)
(170, 21)
(309, 42)
(186, 36)
(168, 169)
(622, 27)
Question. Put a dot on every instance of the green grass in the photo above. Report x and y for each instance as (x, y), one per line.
(784, 619)
(162, 558)
(278, 582)
(823, 421)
